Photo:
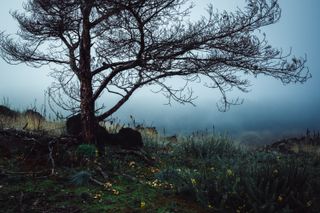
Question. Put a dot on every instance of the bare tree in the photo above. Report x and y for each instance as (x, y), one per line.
(118, 46)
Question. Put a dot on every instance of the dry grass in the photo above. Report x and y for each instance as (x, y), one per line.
(306, 148)
(32, 123)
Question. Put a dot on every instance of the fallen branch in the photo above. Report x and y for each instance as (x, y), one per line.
(104, 175)
(96, 181)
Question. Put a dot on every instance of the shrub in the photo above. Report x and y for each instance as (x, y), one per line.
(278, 187)
(86, 151)
(81, 178)
(226, 177)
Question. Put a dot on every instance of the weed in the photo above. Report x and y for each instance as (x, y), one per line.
(81, 178)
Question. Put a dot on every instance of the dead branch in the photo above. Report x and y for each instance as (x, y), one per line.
(104, 175)
(96, 181)
(50, 147)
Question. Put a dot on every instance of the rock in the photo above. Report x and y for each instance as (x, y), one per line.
(5, 111)
(34, 115)
(73, 125)
(102, 138)
(127, 138)
(130, 138)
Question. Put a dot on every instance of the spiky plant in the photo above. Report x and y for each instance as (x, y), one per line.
(80, 178)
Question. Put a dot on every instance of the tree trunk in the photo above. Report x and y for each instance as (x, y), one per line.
(87, 111)
(85, 77)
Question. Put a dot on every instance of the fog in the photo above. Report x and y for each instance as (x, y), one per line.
(270, 110)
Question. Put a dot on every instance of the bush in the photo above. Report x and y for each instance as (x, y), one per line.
(209, 146)
(86, 151)
(81, 178)
(277, 187)
(226, 177)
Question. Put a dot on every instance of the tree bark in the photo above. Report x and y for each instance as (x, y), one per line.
(85, 77)
(87, 111)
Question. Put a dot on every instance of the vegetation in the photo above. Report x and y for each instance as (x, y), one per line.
(203, 172)
(113, 48)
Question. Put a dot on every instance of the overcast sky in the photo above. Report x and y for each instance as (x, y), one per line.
(269, 107)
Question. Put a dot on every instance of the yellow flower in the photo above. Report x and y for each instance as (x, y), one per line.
(97, 196)
(193, 181)
(132, 164)
(107, 185)
(229, 172)
(142, 204)
(115, 192)
(309, 203)
(280, 199)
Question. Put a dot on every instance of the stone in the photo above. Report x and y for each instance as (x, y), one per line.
(5, 111)
(126, 138)
(130, 138)
(73, 125)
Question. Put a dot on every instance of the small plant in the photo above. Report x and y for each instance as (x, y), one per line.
(273, 188)
(186, 182)
(81, 178)
(86, 152)
(202, 146)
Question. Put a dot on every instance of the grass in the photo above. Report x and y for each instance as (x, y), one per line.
(32, 123)
(203, 172)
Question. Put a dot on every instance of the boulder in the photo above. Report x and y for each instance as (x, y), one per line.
(126, 138)
(129, 138)
(73, 125)
(5, 111)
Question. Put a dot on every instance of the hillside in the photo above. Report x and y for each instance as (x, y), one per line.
(44, 172)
